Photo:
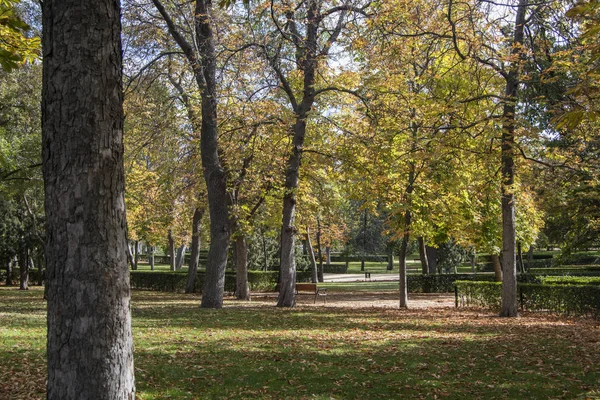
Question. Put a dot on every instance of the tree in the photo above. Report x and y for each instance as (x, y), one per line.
(16, 47)
(90, 346)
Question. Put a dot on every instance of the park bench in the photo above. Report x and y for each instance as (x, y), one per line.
(309, 289)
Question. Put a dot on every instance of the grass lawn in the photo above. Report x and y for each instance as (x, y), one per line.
(254, 350)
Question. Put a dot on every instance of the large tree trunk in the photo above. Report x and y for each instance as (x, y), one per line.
(24, 269)
(194, 250)
(509, 268)
(171, 251)
(90, 346)
(423, 256)
(214, 173)
(311, 256)
(242, 289)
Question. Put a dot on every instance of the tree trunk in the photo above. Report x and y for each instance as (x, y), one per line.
(328, 254)
(497, 267)
(24, 269)
(423, 256)
(130, 255)
(151, 258)
(402, 267)
(390, 256)
(311, 256)
(136, 255)
(242, 289)
(473, 257)
(9, 272)
(171, 251)
(520, 258)
(431, 259)
(530, 257)
(214, 173)
(304, 247)
(180, 257)
(320, 266)
(90, 346)
(364, 242)
(509, 268)
(194, 250)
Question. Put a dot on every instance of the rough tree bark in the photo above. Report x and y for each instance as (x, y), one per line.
(431, 259)
(180, 257)
(509, 267)
(194, 250)
(90, 347)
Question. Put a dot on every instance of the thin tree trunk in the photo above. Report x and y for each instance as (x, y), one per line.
(390, 256)
(520, 258)
(423, 256)
(89, 340)
(136, 255)
(24, 269)
(473, 257)
(304, 247)
(130, 256)
(311, 256)
(497, 267)
(171, 251)
(265, 253)
(328, 254)
(194, 250)
(9, 272)
(151, 258)
(402, 266)
(364, 243)
(509, 268)
(320, 267)
(242, 289)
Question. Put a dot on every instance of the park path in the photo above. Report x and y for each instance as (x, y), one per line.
(359, 277)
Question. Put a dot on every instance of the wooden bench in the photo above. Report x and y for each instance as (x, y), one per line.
(309, 289)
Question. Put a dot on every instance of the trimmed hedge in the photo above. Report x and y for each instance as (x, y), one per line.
(356, 258)
(335, 268)
(562, 299)
(570, 280)
(586, 270)
(440, 283)
(168, 281)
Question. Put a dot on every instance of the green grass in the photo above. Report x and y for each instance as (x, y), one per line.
(257, 351)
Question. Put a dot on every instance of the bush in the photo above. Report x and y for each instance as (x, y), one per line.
(168, 281)
(570, 280)
(563, 299)
(580, 259)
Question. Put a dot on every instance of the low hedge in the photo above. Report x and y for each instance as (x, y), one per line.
(168, 281)
(570, 280)
(586, 270)
(562, 299)
(335, 268)
(440, 283)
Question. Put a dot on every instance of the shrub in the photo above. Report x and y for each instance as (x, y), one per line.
(570, 280)
(563, 299)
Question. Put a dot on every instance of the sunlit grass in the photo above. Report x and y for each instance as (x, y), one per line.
(259, 351)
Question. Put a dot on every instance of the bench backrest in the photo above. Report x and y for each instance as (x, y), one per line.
(306, 287)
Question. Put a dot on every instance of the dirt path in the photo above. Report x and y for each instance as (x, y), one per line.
(365, 300)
